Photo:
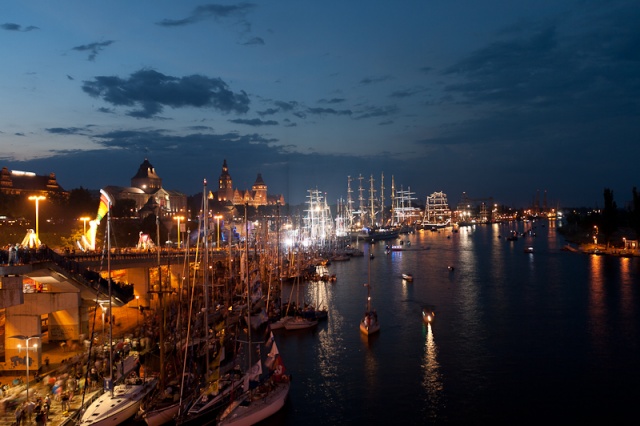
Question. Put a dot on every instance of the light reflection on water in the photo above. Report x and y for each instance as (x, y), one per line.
(517, 336)
(432, 379)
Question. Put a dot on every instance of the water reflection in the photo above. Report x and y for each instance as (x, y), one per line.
(432, 378)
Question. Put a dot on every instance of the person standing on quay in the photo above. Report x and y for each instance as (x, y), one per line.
(19, 414)
(64, 400)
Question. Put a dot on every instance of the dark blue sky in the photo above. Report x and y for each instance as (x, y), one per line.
(496, 98)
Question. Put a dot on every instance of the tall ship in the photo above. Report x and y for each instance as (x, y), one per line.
(318, 225)
(437, 213)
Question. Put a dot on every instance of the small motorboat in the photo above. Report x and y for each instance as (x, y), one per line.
(428, 314)
(407, 277)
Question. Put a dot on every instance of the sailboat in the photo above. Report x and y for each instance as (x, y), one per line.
(303, 319)
(122, 401)
(265, 392)
(215, 390)
(369, 323)
(165, 404)
(266, 398)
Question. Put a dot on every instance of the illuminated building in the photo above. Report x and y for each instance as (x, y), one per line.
(146, 190)
(256, 196)
(14, 182)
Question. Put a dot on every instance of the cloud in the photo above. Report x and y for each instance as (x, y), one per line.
(66, 131)
(405, 93)
(377, 112)
(517, 80)
(214, 11)
(151, 91)
(161, 140)
(374, 80)
(328, 111)
(254, 122)
(9, 26)
(268, 111)
(286, 106)
(332, 101)
(254, 41)
(93, 48)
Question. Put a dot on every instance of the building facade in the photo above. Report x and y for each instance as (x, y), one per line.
(146, 190)
(14, 182)
(256, 196)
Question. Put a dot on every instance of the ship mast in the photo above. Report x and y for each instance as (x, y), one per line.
(205, 209)
(349, 204)
(382, 199)
(372, 192)
(110, 294)
(393, 200)
(361, 201)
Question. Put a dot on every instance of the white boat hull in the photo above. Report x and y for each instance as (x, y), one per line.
(258, 409)
(162, 415)
(300, 324)
(276, 325)
(113, 410)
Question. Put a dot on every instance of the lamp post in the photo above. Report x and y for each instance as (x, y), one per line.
(178, 218)
(37, 199)
(217, 218)
(138, 313)
(26, 339)
(84, 224)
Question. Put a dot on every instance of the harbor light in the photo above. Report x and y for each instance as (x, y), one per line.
(84, 220)
(37, 199)
(35, 346)
(178, 218)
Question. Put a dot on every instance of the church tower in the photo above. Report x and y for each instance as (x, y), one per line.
(225, 184)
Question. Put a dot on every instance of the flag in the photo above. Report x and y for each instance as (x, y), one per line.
(270, 362)
(88, 240)
(105, 205)
(278, 369)
(253, 375)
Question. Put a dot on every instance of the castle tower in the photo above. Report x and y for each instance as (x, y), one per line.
(146, 178)
(225, 184)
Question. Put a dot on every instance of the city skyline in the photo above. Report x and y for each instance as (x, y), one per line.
(496, 99)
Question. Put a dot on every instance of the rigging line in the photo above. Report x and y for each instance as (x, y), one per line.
(188, 336)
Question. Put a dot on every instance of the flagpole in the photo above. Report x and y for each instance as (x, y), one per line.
(110, 290)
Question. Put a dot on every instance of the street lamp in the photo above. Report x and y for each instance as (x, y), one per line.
(138, 308)
(217, 218)
(84, 224)
(37, 198)
(35, 346)
(178, 218)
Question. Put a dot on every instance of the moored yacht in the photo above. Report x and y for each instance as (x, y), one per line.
(114, 408)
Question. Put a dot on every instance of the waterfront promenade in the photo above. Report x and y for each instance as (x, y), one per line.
(61, 363)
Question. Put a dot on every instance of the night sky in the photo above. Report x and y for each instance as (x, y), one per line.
(502, 99)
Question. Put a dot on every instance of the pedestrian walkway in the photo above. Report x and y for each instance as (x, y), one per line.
(63, 360)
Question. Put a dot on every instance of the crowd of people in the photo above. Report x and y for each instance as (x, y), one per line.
(17, 254)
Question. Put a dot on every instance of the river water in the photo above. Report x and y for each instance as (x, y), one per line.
(518, 337)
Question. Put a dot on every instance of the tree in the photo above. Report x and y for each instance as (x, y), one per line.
(124, 208)
(148, 226)
(82, 203)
